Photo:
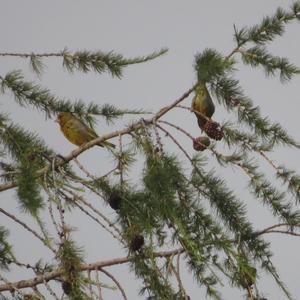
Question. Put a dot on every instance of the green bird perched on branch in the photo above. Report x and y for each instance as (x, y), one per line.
(203, 104)
(76, 131)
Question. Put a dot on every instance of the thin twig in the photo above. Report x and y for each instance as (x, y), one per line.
(175, 141)
(92, 293)
(81, 199)
(115, 281)
(99, 222)
(99, 286)
(84, 170)
(198, 113)
(50, 207)
(38, 293)
(275, 226)
(27, 228)
(267, 159)
(282, 231)
(50, 290)
(158, 140)
(26, 55)
(177, 275)
(120, 165)
(235, 50)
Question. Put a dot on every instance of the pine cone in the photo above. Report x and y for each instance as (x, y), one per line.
(213, 130)
(201, 143)
(137, 242)
(67, 287)
(114, 201)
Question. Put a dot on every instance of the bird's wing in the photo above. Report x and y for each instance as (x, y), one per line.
(82, 129)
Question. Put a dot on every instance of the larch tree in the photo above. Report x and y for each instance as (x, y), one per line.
(180, 211)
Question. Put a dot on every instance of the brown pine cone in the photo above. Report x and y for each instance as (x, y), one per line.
(114, 201)
(137, 242)
(213, 130)
(201, 143)
(67, 287)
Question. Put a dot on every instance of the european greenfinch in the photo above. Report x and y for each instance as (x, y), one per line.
(203, 104)
(76, 131)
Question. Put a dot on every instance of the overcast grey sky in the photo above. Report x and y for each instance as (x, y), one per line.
(135, 28)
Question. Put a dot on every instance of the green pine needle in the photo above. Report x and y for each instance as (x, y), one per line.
(210, 65)
(101, 62)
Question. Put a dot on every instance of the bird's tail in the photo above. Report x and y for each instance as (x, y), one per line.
(201, 121)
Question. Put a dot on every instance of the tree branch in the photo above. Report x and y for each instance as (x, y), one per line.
(40, 279)
(105, 137)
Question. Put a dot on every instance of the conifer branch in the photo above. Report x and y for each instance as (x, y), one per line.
(269, 28)
(287, 176)
(126, 130)
(40, 279)
(30, 94)
(215, 189)
(263, 189)
(261, 186)
(87, 61)
(259, 56)
(292, 179)
(229, 93)
(167, 207)
(249, 142)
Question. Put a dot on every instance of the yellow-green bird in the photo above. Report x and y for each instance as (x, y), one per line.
(76, 131)
(202, 103)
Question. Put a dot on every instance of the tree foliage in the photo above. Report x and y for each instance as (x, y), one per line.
(191, 210)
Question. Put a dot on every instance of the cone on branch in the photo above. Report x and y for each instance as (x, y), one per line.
(134, 237)
(213, 130)
(137, 242)
(115, 201)
(67, 287)
(201, 143)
